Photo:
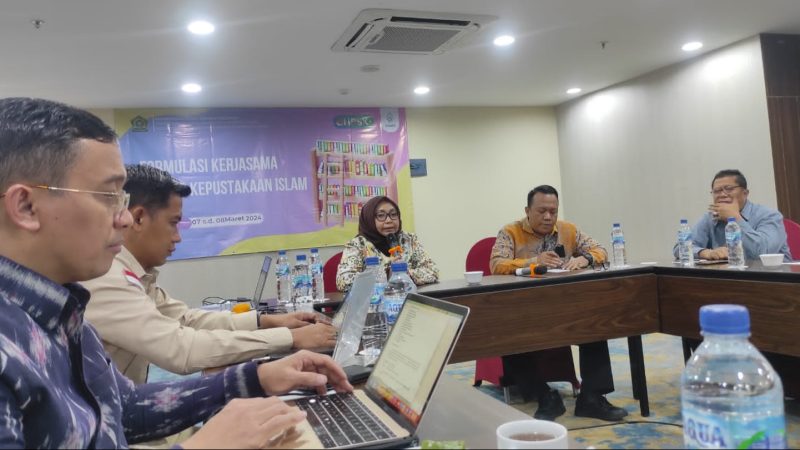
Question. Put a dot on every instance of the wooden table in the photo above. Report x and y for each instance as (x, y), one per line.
(771, 295)
(510, 314)
(514, 314)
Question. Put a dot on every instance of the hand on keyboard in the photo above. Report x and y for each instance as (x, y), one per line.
(246, 423)
(303, 369)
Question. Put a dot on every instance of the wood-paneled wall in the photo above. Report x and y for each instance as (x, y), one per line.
(781, 59)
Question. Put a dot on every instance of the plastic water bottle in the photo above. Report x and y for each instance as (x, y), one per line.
(400, 284)
(375, 330)
(730, 395)
(301, 284)
(618, 258)
(317, 279)
(685, 250)
(733, 238)
(284, 278)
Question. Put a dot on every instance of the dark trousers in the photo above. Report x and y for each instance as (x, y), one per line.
(527, 374)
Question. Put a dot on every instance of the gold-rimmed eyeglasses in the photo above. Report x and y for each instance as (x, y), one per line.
(118, 201)
(726, 189)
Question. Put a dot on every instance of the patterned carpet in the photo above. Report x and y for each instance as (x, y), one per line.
(663, 364)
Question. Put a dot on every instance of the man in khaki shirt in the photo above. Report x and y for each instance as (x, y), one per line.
(138, 321)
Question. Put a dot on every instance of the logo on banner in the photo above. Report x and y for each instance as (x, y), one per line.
(354, 121)
(138, 124)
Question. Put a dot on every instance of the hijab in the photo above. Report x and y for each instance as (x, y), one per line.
(366, 223)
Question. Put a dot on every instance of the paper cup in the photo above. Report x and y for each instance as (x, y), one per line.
(520, 434)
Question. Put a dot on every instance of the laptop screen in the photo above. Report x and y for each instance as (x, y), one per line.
(262, 280)
(415, 354)
(349, 321)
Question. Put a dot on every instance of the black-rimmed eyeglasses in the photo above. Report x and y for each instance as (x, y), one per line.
(726, 189)
(382, 216)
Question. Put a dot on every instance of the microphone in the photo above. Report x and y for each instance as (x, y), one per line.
(536, 269)
(394, 244)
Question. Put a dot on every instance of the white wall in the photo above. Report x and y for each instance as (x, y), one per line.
(644, 152)
(481, 164)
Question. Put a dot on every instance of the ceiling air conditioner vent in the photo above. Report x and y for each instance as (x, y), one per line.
(416, 32)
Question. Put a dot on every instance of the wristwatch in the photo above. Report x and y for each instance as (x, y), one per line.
(589, 259)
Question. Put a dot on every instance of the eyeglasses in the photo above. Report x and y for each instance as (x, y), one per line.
(119, 201)
(599, 267)
(726, 189)
(382, 216)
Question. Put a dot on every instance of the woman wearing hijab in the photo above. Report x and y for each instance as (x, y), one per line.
(379, 229)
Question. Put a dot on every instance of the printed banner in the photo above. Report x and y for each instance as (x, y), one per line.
(276, 178)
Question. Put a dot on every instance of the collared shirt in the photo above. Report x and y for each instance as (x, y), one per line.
(139, 323)
(762, 232)
(517, 245)
(58, 388)
(421, 267)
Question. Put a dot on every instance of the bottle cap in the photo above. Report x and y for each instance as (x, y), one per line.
(731, 219)
(684, 221)
(314, 250)
(282, 252)
(615, 225)
(371, 261)
(301, 257)
(400, 266)
(725, 319)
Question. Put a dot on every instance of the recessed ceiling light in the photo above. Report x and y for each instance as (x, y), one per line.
(191, 88)
(574, 90)
(200, 27)
(421, 90)
(502, 41)
(691, 46)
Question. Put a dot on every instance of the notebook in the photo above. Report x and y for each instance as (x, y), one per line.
(390, 407)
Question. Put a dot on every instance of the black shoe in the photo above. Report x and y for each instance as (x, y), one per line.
(550, 406)
(596, 406)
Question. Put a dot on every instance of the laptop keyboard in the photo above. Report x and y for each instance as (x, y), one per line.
(342, 419)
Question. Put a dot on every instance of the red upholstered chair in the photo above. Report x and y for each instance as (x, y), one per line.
(793, 237)
(329, 272)
(556, 364)
(789, 367)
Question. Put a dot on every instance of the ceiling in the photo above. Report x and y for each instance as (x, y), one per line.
(107, 53)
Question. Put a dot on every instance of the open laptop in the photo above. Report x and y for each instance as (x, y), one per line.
(388, 410)
(349, 320)
(262, 281)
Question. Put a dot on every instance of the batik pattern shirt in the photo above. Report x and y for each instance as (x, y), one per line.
(517, 246)
(58, 388)
(421, 267)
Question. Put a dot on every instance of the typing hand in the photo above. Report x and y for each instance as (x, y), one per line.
(304, 369)
(550, 259)
(246, 423)
(291, 320)
(319, 336)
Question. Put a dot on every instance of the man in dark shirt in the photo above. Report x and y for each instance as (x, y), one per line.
(62, 215)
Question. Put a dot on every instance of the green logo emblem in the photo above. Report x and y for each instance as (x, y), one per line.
(354, 121)
(138, 124)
